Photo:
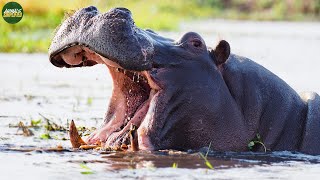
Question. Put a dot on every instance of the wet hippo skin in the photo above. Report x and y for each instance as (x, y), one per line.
(181, 94)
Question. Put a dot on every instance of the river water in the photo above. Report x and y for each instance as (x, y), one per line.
(31, 89)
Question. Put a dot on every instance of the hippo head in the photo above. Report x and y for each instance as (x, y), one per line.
(171, 90)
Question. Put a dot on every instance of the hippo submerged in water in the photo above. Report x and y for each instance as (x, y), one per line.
(181, 94)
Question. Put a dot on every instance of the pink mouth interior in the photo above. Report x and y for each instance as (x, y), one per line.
(130, 101)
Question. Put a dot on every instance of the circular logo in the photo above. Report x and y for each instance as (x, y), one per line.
(12, 12)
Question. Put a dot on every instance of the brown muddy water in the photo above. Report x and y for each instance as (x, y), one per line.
(32, 89)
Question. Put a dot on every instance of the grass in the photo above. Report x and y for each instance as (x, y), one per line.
(35, 31)
(32, 34)
(205, 158)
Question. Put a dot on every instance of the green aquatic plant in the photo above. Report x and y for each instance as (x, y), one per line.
(89, 101)
(255, 142)
(52, 126)
(45, 136)
(205, 158)
(175, 165)
(206, 162)
(87, 170)
(35, 122)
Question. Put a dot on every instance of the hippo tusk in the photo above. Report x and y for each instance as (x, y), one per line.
(134, 138)
(75, 139)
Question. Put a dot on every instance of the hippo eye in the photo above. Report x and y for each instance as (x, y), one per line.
(196, 42)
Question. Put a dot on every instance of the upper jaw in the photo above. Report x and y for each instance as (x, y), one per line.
(112, 35)
(89, 38)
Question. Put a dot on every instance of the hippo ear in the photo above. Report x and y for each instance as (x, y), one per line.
(221, 53)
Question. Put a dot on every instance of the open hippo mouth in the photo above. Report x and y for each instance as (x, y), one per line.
(88, 38)
(166, 94)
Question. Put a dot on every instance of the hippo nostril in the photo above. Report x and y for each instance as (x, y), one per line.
(90, 8)
(124, 9)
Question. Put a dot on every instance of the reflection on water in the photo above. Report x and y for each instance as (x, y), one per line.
(31, 85)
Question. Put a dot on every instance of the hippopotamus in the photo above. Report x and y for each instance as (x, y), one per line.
(181, 94)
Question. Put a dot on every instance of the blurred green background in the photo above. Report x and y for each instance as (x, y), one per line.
(34, 32)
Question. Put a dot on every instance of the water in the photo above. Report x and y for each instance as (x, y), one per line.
(32, 88)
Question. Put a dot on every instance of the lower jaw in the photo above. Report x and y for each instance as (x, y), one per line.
(136, 121)
(116, 139)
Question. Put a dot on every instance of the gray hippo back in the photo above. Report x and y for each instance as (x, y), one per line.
(285, 120)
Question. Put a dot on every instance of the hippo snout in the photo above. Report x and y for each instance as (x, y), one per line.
(123, 10)
(90, 9)
(112, 35)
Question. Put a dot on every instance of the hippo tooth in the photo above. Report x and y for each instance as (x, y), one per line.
(76, 140)
(134, 138)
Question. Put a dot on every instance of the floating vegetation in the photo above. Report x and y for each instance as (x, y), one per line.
(89, 101)
(52, 126)
(87, 147)
(35, 122)
(86, 169)
(25, 130)
(255, 142)
(46, 129)
(58, 148)
(45, 136)
(29, 97)
(175, 165)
